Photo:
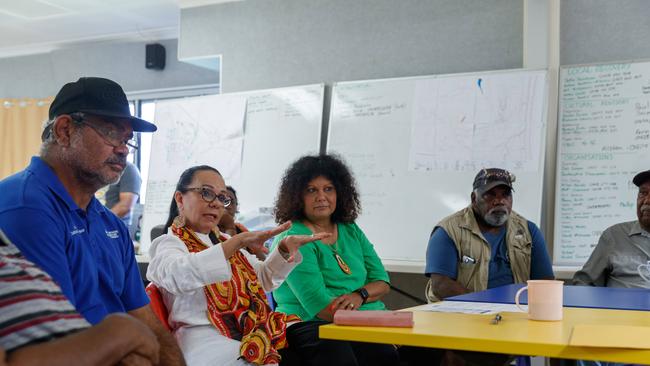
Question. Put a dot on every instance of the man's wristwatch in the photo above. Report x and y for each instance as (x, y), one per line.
(364, 294)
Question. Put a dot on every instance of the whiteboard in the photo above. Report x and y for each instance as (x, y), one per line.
(415, 145)
(269, 130)
(281, 125)
(603, 141)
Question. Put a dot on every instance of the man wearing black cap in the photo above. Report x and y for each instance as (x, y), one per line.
(622, 248)
(49, 210)
(486, 244)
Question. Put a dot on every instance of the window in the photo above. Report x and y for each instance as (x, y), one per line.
(132, 154)
(147, 111)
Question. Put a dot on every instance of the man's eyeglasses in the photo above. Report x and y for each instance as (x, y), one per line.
(112, 137)
(209, 196)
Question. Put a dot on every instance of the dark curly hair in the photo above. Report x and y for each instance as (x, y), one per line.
(289, 204)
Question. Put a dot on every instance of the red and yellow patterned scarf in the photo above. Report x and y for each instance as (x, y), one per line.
(239, 309)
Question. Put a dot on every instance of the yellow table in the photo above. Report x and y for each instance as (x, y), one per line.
(515, 334)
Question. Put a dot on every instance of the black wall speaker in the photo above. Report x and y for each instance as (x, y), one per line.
(155, 56)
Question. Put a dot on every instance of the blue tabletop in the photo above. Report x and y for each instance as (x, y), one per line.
(574, 296)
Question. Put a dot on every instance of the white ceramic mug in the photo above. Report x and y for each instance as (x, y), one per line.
(644, 270)
(544, 299)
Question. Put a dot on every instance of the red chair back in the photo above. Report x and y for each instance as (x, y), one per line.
(157, 304)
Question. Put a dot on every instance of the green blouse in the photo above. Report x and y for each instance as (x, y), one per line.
(318, 280)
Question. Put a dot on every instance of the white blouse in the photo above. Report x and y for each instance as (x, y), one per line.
(181, 277)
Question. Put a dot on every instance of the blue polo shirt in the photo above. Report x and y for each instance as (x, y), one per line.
(89, 253)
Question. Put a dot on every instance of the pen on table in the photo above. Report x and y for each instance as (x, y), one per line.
(497, 318)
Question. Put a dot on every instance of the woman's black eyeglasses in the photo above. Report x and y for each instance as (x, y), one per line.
(209, 196)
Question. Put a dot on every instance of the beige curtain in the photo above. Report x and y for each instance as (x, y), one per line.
(21, 122)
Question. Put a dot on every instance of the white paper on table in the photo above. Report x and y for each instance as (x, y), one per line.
(467, 307)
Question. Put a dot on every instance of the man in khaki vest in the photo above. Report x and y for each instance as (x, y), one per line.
(486, 244)
(482, 246)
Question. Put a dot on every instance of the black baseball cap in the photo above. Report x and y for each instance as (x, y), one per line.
(99, 96)
(488, 178)
(641, 178)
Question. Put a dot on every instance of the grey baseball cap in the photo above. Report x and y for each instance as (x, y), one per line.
(488, 178)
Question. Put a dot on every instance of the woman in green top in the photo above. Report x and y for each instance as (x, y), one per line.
(343, 271)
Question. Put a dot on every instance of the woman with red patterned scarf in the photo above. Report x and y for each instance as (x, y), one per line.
(214, 290)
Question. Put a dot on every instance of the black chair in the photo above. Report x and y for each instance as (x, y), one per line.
(157, 231)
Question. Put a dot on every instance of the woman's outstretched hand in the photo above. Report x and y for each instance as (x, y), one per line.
(291, 243)
(255, 240)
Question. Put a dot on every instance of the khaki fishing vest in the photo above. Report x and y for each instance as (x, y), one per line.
(463, 229)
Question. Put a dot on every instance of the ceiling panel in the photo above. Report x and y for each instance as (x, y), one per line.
(28, 26)
(31, 9)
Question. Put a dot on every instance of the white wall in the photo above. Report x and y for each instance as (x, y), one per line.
(275, 43)
(594, 31)
(42, 75)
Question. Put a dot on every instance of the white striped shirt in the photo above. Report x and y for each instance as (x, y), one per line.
(32, 307)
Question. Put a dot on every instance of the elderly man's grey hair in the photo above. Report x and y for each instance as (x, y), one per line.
(47, 136)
